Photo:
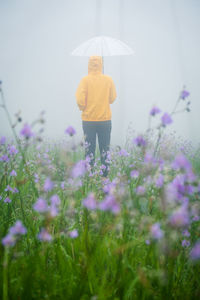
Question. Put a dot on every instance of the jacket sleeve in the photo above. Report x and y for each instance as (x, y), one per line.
(113, 93)
(81, 94)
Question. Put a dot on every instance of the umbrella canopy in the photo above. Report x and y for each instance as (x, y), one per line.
(102, 46)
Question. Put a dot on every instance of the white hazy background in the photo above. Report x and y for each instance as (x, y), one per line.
(38, 73)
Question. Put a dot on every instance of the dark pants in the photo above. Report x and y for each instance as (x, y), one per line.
(103, 130)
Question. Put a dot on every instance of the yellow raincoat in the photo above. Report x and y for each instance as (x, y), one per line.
(95, 92)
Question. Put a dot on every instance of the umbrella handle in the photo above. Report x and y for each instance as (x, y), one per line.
(103, 64)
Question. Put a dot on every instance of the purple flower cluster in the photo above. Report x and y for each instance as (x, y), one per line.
(12, 150)
(73, 234)
(139, 141)
(179, 189)
(90, 202)
(13, 173)
(44, 236)
(140, 190)
(156, 232)
(185, 243)
(154, 111)
(80, 168)
(180, 217)
(123, 152)
(41, 206)
(159, 181)
(48, 185)
(110, 204)
(4, 158)
(26, 131)
(70, 131)
(166, 119)
(2, 140)
(7, 200)
(14, 231)
(195, 252)
(184, 94)
(134, 174)
(181, 163)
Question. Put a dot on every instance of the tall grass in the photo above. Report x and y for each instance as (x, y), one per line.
(134, 252)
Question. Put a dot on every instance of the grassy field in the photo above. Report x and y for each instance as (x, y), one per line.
(68, 233)
(132, 236)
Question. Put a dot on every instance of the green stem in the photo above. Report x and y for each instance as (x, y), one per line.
(158, 141)
(5, 274)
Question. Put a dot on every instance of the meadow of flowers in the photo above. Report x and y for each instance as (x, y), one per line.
(68, 233)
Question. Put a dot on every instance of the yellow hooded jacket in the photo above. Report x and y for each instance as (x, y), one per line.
(95, 92)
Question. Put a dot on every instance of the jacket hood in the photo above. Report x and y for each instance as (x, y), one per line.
(95, 65)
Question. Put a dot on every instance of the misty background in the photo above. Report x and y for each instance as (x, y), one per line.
(38, 72)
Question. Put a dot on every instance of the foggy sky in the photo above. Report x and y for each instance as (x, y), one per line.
(38, 73)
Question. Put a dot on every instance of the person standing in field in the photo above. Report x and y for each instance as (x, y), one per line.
(94, 95)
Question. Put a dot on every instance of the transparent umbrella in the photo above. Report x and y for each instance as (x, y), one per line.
(102, 46)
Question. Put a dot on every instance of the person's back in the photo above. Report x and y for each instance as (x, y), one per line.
(95, 93)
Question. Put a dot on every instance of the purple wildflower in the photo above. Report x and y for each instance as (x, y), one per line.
(7, 200)
(195, 252)
(70, 130)
(109, 187)
(110, 203)
(55, 200)
(160, 181)
(2, 140)
(147, 242)
(9, 240)
(73, 234)
(62, 185)
(44, 235)
(166, 119)
(154, 111)
(90, 202)
(149, 158)
(8, 188)
(176, 190)
(180, 217)
(195, 218)
(134, 174)
(185, 243)
(48, 185)
(40, 206)
(79, 169)
(53, 210)
(15, 190)
(102, 167)
(181, 162)
(13, 173)
(185, 233)
(36, 177)
(184, 94)
(4, 158)
(12, 150)
(140, 190)
(156, 232)
(123, 152)
(26, 131)
(139, 141)
(18, 228)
